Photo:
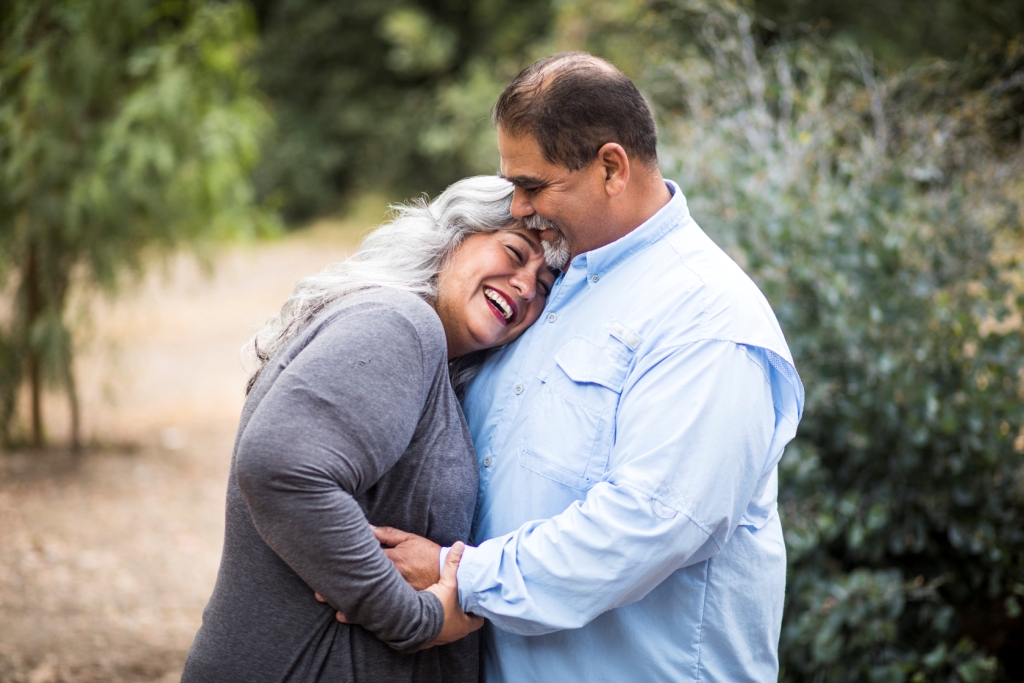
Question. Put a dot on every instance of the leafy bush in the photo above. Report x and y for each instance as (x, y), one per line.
(881, 217)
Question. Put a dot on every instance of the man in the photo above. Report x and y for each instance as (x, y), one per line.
(626, 524)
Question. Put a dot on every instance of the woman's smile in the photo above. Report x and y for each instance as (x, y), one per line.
(503, 306)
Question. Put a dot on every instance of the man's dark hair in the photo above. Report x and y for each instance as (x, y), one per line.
(573, 103)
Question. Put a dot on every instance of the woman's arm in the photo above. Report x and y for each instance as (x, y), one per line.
(333, 422)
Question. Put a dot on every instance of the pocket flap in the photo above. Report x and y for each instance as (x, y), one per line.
(586, 361)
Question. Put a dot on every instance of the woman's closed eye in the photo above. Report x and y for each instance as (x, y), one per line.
(519, 254)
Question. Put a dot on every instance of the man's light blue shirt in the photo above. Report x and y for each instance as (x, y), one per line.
(626, 525)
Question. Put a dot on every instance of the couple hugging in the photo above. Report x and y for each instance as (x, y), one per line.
(545, 404)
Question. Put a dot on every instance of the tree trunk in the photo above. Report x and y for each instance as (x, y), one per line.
(72, 389)
(35, 374)
(33, 311)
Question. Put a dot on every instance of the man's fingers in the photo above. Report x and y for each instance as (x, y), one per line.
(390, 536)
(340, 617)
(319, 598)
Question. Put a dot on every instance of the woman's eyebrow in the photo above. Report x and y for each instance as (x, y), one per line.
(534, 244)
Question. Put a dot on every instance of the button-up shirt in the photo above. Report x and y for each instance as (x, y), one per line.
(626, 525)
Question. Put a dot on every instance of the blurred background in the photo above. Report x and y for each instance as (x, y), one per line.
(169, 168)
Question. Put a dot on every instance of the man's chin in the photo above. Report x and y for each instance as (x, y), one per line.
(556, 252)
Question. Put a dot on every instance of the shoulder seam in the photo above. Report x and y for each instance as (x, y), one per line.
(703, 284)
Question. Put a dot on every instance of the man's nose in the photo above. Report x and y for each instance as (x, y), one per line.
(521, 207)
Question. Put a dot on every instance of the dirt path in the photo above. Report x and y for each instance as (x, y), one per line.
(107, 561)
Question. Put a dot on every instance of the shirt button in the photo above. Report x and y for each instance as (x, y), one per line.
(595, 278)
(487, 462)
(518, 389)
(552, 317)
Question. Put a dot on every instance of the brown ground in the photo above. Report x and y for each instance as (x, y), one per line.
(106, 561)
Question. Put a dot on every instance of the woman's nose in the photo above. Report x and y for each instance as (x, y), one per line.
(521, 207)
(525, 285)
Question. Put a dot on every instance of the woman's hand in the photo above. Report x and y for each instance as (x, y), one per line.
(457, 624)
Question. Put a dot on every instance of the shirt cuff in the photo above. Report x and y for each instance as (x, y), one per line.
(463, 576)
(441, 558)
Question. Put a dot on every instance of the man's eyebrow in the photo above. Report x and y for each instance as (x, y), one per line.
(534, 244)
(523, 181)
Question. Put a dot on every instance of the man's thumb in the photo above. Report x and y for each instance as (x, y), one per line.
(451, 563)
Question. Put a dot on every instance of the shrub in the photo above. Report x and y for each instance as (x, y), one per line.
(880, 214)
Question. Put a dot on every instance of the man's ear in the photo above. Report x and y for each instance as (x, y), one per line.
(614, 162)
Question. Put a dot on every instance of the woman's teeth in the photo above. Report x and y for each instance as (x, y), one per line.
(499, 301)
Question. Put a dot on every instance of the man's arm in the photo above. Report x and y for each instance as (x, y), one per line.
(693, 435)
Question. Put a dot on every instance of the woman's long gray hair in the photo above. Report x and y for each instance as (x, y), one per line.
(406, 253)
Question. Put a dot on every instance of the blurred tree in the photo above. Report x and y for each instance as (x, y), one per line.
(392, 95)
(124, 125)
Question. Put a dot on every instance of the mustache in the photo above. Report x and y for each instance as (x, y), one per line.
(536, 222)
(556, 250)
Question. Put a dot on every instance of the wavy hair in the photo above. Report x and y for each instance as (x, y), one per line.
(406, 253)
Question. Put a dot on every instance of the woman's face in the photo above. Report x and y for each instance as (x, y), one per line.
(492, 288)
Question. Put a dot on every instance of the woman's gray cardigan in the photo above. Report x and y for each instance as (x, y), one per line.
(355, 423)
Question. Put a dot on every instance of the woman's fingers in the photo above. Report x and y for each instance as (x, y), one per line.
(319, 598)
(390, 536)
(340, 617)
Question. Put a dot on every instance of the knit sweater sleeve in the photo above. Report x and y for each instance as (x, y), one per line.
(334, 421)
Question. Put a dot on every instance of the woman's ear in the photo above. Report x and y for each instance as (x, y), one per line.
(614, 161)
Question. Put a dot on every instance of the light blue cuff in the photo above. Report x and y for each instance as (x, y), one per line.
(441, 558)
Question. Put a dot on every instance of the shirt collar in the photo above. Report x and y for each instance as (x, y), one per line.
(599, 261)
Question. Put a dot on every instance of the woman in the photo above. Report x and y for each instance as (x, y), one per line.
(352, 419)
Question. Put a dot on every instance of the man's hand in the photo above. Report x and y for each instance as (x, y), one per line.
(457, 624)
(416, 558)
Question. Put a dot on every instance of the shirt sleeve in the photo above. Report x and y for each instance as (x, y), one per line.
(693, 431)
(332, 423)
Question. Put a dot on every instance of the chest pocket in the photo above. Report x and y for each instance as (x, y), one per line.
(575, 415)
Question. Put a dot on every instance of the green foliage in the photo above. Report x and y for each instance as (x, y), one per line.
(393, 95)
(385, 95)
(900, 31)
(124, 125)
(883, 222)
